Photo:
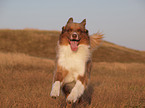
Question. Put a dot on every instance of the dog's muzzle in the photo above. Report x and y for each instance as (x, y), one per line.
(74, 41)
(74, 36)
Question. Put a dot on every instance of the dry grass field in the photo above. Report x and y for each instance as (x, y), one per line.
(27, 64)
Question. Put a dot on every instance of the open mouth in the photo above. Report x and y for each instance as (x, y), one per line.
(74, 44)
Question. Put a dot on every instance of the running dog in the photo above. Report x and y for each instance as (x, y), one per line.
(73, 63)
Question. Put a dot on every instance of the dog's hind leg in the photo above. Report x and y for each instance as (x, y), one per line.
(59, 75)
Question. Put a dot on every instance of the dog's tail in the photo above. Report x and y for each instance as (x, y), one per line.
(96, 40)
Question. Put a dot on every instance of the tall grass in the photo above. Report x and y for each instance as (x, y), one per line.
(43, 44)
(118, 85)
(27, 65)
(26, 82)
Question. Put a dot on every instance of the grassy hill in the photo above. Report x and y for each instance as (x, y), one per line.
(27, 65)
(42, 44)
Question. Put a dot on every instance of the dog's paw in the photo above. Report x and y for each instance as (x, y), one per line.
(76, 92)
(55, 90)
(73, 96)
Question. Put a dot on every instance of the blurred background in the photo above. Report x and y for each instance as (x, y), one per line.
(122, 21)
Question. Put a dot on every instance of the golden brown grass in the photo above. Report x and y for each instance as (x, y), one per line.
(119, 85)
(42, 44)
(26, 82)
(27, 65)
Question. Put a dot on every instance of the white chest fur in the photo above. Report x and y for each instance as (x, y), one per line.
(74, 62)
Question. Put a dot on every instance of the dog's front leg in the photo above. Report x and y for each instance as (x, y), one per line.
(76, 92)
(58, 79)
(56, 85)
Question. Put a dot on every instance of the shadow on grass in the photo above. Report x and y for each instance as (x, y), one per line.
(87, 96)
(83, 102)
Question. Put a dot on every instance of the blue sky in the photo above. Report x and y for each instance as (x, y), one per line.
(122, 21)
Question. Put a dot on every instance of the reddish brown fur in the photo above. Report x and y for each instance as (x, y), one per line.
(96, 40)
(60, 74)
(66, 33)
(70, 28)
(83, 38)
(85, 79)
(82, 78)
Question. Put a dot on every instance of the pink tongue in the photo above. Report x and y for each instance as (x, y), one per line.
(74, 45)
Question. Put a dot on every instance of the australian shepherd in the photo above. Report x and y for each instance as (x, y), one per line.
(73, 63)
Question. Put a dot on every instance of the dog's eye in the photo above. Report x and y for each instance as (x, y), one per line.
(79, 30)
(69, 30)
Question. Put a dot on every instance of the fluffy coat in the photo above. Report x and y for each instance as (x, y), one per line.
(73, 64)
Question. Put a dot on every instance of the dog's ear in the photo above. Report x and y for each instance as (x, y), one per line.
(63, 29)
(70, 20)
(83, 22)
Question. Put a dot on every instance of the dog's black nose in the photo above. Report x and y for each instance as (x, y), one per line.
(74, 35)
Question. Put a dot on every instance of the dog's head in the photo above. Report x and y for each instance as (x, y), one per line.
(74, 34)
